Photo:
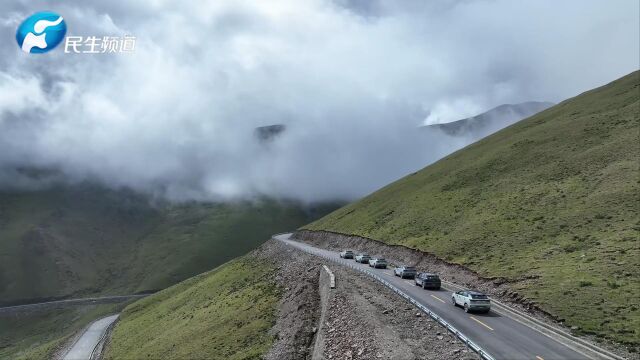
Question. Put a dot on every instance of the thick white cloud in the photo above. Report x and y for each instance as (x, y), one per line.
(350, 79)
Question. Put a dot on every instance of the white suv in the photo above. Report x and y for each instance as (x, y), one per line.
(347, 254)
(378, 262)
(471, 301)
(363, 258)
(405, 272)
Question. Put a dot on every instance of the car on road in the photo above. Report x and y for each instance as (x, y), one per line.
(471, 300)
(428, 280)
(405, 272)
(363, 258)
(347, 254)
(378, 263)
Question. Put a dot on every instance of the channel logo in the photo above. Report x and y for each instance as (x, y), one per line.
(41, 32)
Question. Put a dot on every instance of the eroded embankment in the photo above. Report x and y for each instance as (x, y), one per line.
(274, 303)
(359, 319)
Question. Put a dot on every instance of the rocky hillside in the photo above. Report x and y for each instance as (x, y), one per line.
(275, 303)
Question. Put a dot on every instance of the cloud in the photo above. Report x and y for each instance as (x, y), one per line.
(351, 80)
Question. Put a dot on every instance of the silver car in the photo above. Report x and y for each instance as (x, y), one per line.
(471, 300)
(347, 254)
(405, 272)
(363, 258)
(378, 263)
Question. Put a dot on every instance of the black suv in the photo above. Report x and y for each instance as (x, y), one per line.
(428, 281)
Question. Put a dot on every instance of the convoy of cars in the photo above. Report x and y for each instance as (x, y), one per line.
(467, 299)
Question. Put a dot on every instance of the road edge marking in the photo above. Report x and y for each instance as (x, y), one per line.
(481, 323)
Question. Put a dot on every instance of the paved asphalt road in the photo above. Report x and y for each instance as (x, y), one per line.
(82, 349)
(499, 335)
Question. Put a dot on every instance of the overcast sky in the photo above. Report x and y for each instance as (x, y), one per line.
(351, 79)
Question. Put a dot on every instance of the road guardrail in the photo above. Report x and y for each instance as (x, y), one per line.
(468, 342)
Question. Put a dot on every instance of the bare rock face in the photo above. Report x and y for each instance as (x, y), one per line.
(268, 133)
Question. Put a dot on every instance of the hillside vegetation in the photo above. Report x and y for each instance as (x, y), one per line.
(550, 203)
(223, 314)
(87, 240)
(37, 334)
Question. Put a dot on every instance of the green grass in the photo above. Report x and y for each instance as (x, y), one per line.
(223, 314)
(86, 240)
(36, 335)
(554, 198)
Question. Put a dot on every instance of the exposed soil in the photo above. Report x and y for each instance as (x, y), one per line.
(366, 320)
(299, 310)
(362, 319)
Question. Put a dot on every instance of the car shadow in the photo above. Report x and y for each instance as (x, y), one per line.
(490, 314)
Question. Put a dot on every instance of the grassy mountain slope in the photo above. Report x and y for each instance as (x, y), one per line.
(223, 314)
(86, 240)
(551, 203)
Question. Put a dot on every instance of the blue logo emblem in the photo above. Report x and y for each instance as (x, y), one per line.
(41, 32)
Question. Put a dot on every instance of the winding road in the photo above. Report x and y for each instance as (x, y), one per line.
(84, 346)
(499, 333)
(71, 302)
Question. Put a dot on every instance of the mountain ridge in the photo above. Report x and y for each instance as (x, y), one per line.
(549, 203)
(85, 239)
(492, 120)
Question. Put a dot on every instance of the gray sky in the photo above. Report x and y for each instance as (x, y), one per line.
(351, 79)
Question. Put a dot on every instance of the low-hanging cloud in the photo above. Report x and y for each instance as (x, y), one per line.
(351, 80)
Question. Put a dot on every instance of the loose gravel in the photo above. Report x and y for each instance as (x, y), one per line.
(363, 319)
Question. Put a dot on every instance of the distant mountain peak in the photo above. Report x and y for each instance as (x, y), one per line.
(492, 120)
(269, 132)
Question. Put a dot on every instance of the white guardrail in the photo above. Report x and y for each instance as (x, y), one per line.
(470, 344)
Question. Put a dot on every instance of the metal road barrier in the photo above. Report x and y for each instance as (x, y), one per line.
(470, 344)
